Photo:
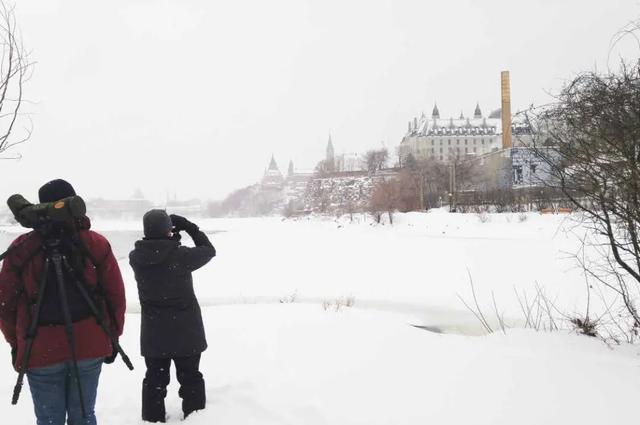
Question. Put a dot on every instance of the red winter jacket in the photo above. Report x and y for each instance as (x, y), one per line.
(19, 283)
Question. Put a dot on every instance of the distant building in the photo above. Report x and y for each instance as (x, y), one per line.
(118, 208)
(345, 162)
(499, 148)
(511, 168)
(188, 208)
(272, 178)
(446, 139)
(299, 176)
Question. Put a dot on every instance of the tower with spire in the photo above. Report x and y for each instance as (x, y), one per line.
(477, 113)
(330, 156)
(272, 178)
(436, 113)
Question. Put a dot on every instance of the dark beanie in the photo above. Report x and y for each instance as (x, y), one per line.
(157, 224)
(55, 190)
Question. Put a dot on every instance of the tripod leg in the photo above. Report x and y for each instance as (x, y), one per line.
(68, 325)
(31, 334)
(98, 315)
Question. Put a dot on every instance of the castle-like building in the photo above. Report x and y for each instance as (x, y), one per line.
(273, 179)
(447, 139)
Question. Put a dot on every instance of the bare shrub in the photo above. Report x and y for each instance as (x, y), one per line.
(289, 299)
(338, 304)
(538, 313)
(484, 217)
(589, 141)
(475, 307)
(585, 326)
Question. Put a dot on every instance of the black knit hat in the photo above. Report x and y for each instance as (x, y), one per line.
(55, 190)
(157, 224)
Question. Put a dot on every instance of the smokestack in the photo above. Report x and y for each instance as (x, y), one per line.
(506, 109)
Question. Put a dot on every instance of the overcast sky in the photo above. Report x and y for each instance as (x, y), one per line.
(193, 96)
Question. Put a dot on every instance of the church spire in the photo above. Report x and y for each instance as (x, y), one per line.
(330, 159)
(290, 170)
(272, 164)
(330, 151)
(436, 113)
(477, 113)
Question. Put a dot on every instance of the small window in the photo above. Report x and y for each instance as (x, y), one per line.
(517, 174)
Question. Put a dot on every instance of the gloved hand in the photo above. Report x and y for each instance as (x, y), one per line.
(181, 223)
(112, 358)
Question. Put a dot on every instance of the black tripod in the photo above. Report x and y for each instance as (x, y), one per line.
(53, 255)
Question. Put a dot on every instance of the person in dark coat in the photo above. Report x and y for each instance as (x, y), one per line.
(171, 325)
(48, 369)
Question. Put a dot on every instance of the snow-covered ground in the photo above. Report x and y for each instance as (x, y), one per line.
(417, 266)
(299, 363)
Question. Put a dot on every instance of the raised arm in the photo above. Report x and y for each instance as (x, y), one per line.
(203, 251)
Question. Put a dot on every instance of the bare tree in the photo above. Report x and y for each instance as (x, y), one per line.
(590, 141)
(15, 71)
(376, 159)
(384, 198)
(323, 168)
(467, 171)
(429, 180)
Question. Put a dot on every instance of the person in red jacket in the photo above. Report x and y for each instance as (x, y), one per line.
(54, 393)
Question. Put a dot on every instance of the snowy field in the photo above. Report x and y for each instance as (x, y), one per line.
(418, 266)
(273, 361)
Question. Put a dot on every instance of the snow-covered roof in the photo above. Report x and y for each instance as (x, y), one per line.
(457, 127)
(273, 166)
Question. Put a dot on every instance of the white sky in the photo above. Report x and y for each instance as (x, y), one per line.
(193, 96)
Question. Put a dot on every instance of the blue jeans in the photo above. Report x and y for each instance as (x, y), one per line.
(55, 393)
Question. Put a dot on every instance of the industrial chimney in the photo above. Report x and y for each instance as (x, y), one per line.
(506, 109)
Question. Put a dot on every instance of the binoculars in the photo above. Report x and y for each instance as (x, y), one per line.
(35, 215)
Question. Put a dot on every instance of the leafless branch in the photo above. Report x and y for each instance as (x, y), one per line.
(16, 69)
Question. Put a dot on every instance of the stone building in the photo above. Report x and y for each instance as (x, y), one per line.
(447, 139)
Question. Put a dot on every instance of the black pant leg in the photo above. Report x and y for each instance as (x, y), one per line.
(154, 389)
(191, 381)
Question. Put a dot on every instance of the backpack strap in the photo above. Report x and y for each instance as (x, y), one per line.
(100, 291)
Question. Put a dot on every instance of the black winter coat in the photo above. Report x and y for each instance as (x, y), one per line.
(171, 324)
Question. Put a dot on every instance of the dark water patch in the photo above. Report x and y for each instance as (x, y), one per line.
(433, 329)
